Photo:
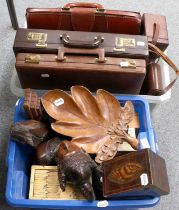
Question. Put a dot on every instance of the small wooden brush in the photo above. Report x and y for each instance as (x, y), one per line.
(44, 185)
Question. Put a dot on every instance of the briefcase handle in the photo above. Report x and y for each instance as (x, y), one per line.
(158, 52)
(83, 5)
(99, 51)
(81, 44)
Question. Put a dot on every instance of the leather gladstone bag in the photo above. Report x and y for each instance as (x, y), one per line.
(48, 41)
(79, 16)
(49, 71)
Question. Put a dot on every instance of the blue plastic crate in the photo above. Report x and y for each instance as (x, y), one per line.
(19, 160)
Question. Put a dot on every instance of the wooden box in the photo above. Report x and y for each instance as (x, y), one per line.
(140, 173)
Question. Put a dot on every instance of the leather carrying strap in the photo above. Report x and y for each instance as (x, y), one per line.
(84, 5)
(81, 44)
(99, 51)
(157, 51)
(83, 19)
(156, 32)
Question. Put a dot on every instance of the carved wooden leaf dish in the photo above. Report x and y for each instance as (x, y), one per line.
(98, 123)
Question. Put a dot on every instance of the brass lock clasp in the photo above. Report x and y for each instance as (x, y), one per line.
(124, 42)
(128, 63)
(41, 45)
(41, 39)
(32, 58)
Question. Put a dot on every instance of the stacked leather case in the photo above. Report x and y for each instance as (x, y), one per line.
(82, 31)
(43, 61)
(49, 71)
(84, 17)
(48, 41)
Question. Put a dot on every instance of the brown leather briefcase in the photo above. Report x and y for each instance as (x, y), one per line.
(48, 41)
(49, 71)
(155, 28)
(79, 16)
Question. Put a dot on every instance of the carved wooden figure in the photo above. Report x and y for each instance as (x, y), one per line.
(76, 166)
(30, 132)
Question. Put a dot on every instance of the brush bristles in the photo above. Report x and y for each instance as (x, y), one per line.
(44, 185)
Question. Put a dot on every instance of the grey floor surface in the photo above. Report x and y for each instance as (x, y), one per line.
(165, 117)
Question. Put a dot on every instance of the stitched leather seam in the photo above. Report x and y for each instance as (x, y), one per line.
(56, 13)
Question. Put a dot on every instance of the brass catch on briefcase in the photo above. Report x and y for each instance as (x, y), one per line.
(128, 63)
(101, 61)
(119, 49)
(41, 45)
(125, 42)
(31, 58)
(41, 38)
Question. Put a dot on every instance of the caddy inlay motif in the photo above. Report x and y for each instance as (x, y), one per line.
(126, 172)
